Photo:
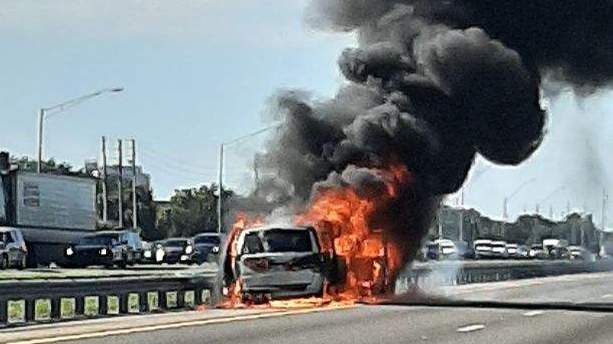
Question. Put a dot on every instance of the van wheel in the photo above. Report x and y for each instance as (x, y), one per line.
(4, 262)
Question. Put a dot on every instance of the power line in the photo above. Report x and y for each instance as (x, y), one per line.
(177, 160)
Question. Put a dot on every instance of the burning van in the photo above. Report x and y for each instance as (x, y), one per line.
(276, 262)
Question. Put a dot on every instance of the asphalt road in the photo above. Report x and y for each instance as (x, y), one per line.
(414, 324)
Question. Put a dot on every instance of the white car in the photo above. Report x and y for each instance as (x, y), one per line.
(499, 249)
(447, 249)
(483, 248)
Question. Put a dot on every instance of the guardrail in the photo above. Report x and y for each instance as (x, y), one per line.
(40, 301)
(466, 272)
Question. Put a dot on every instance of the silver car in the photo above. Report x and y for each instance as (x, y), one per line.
(278, 262)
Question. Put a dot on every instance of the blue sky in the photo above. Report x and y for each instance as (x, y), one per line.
(197, 73)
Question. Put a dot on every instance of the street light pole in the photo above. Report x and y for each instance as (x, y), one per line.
(220, 176)
(59, 108)
(220, 200)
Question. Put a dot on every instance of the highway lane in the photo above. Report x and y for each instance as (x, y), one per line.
(408, 324)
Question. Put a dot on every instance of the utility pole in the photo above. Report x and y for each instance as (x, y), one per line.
(537, 209)
(39, 150)
(256, 172)
(603, 216)
(461, 217)
(440, 222)
(550, 212)
(504, 208)
(604, 209)
(120, 184)
(134, 200)
(220, 199)
(105, 197)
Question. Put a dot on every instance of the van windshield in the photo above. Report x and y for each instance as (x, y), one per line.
(278, 240)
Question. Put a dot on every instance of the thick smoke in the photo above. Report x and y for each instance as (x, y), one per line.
(431, 84)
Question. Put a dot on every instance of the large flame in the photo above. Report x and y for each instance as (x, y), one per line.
(348, 232)
(349, 236)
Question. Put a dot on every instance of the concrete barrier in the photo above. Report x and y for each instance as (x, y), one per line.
(39, 301)
(451, 273)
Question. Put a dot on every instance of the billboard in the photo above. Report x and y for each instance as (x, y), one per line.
(46, 200)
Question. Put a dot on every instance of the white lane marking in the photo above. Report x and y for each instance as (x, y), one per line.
(106, 333)
(471, 328)
(607, 296)
(533, 313)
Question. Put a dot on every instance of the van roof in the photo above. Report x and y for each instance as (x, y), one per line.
(288, 227)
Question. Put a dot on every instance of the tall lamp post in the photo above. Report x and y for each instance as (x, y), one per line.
(221, 161)
(51, 110)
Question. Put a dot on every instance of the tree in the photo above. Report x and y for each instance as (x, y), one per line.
(191, 211)
(50, 166)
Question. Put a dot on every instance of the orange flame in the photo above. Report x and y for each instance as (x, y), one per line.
(344, 221)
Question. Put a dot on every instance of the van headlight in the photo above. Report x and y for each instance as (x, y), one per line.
(147, 254)
(215, 249)
(103, 251)
(189, 249)
(69, 251)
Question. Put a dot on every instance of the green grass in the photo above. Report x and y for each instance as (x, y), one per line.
(153, 300)
(112, 304)
(171, 299)
(189, 298)
(67, 308)
(91, 306)
(206, 296)
(16, 310)
(133, 303)
(42, 309)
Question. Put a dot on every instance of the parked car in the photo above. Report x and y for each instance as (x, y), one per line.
(580, 253)
(537, 252)
(522, 251)
(177, 250)
(483, 248)
(207, 247)
(556, 248)
(153, 253)
(499, 249)
(517, 251)
(277, 262)
(106, 248)
(13, 251)
(448, 249)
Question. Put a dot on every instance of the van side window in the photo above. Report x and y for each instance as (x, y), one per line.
(253, 244)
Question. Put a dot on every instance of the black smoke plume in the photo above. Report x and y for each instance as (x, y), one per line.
(431, 84)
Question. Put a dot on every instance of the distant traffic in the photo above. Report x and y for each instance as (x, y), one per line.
(446, 249)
